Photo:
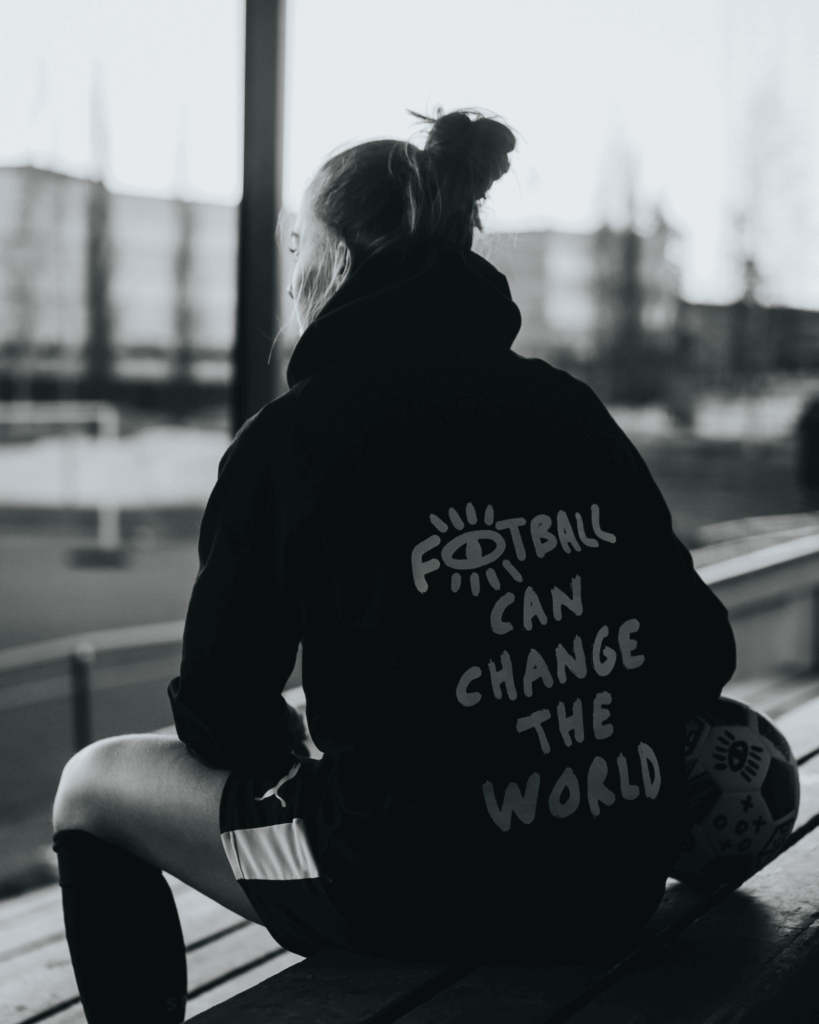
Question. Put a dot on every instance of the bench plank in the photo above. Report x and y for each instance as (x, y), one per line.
(809, 796)
(232, 987)
(75, 1014)
(38, 922)
(332, 986)
(726, 964)
(35, 968)
(72, 1015)
(16, 908)
(36, 918)
(775, 697)
(229, 953)
(800, 728)
(199, 915)
(36, 980)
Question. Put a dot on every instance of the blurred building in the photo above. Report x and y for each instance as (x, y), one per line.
(602, 304)
(111, 296)
(745, 337)
(606, 305)
(133, 299)
(571, 287)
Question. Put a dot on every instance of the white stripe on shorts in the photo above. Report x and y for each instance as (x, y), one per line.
(274, 853)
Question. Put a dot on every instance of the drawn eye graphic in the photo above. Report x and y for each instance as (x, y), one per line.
(473, 550)
(735, 755)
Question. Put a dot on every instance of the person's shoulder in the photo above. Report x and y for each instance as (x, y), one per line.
(560, 386)
(270, 420)
(538, 367)
(265, 435)
(572, 413)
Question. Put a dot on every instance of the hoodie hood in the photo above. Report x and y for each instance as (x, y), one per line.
(429, 297)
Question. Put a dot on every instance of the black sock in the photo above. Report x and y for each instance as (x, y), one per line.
(123, 933)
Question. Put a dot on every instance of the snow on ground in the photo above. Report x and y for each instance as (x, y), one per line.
(159, 466)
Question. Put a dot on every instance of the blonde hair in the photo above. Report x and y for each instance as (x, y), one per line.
(388, 195)
(322, 280)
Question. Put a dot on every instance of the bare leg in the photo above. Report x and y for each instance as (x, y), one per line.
(147, 794)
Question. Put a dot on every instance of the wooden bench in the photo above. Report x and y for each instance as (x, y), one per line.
(745, 955)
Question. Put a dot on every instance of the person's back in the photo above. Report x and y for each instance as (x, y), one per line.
(502, 638)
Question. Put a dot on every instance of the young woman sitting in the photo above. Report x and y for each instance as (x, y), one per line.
(502, 637)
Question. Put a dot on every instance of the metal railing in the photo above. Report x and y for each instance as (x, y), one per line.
(772, 596)
(77, 654)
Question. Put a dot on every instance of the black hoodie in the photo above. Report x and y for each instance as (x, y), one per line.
(502, 637)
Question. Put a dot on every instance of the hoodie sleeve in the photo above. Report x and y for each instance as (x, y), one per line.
(698, 629)
(243, 624)
(709, 660)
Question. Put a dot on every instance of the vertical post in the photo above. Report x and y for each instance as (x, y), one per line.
(257, 381)
(98, 345)
(814, 607)
(80, 666)
(98, 349)
(25, 280)
(181, 391)
(109, 536)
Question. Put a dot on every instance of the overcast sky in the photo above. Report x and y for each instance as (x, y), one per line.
(711, 107)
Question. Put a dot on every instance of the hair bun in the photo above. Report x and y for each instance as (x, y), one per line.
(471, 142)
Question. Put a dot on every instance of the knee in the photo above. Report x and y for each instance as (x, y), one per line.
(86, 783)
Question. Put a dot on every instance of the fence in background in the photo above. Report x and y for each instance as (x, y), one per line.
(74, 658)
(772, 595)
(19, 419)
(21, 416)
(77, 655)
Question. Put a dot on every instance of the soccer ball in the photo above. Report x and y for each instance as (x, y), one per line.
(743, 794)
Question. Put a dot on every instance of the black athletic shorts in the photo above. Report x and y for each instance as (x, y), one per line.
(262, 822)
(265, 837)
